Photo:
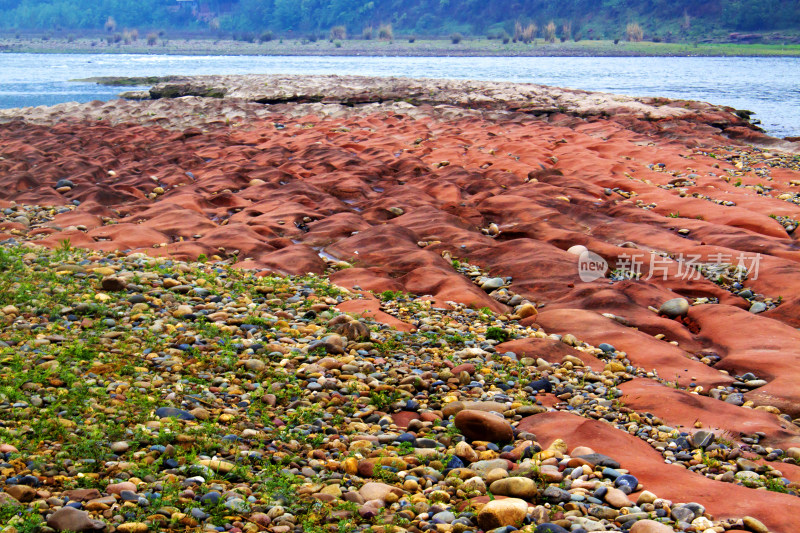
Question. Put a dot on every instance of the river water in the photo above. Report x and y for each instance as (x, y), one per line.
(768, 86)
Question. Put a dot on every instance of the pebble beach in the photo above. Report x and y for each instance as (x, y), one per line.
(334, 304)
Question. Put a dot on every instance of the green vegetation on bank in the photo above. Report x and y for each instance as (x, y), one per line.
(420, 47)
(521, 20)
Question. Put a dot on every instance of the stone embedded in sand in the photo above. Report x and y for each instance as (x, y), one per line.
(218, 466)
(453, 408)
(254, 365)
(378, 491)
(334, 344)
(117, 488)
(466, 452)
(474, 484)
(22, 493)
(577, 249)
(182, 310)
(82, 495)
(479, 425)
(173, 412)
(7, 499)
(650, 526)
(500, 513)
(646, 497)
(550, 528)
(526, 310)
(754, 525)
(492, 284)
(674, 308)
(617, 498)
(111, 283)
(120, 446)
(71, 519)
(133, 527)
(518, 487)
(350, 328)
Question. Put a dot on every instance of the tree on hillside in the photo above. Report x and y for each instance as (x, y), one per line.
(422, 17)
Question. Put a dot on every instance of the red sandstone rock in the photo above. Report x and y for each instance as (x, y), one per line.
(681, 409)
(722, 500)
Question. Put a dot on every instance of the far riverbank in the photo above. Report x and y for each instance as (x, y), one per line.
(478, 47)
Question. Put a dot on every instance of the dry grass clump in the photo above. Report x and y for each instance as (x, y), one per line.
(338, 32)
(634, 33)
(385, 32)
(550, 32)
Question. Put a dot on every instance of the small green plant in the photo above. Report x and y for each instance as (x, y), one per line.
(775, 485)
(710, 462)
(79, 351)
(674, 215)
(387, 296)
(497, 334)
(405, 448)
(383, 399)
(20, 519)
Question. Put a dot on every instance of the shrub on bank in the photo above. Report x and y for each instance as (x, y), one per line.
(550, 32)
(517, 31)
(529, 33)
(456, 38)
(634, 32)
(385, 32)
(130, 36)
(338, 32)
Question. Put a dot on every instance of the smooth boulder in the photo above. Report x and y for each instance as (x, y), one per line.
(518, 487)
(71, 519)
(478, 425)
(500, 513)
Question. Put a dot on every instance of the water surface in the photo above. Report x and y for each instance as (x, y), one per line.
(768, 86)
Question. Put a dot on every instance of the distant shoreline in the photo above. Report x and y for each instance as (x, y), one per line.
(397, 48)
